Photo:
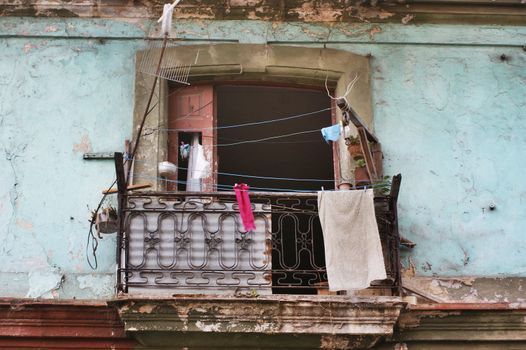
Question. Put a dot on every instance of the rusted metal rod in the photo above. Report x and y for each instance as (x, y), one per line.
(121, 190)
(225, 194)
(147, 109)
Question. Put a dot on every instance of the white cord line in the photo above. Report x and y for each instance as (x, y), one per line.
(349, 88)
(266, 138)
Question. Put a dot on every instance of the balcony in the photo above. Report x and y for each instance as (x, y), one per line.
(194, 243)
(190, 274)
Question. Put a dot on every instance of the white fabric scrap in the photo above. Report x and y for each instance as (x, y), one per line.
(201, 165)
(166, 17)
(353, 251)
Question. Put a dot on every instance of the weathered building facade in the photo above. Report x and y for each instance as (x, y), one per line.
(442, 85)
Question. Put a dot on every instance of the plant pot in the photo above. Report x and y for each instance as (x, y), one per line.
(361, 177)
(355, 151)
(344, 186)
(106, 223)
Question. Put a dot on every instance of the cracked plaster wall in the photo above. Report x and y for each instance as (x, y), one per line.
(448, 110)
(59, 98)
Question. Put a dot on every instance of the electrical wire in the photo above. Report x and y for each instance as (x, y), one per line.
(261, 122)
(265, 138)
(273, 120)
(267, 177)
(91, 236)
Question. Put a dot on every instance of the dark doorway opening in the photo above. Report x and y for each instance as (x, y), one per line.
(296, 269)
(304, 155)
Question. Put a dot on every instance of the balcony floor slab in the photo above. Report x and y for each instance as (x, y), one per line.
(294, 322)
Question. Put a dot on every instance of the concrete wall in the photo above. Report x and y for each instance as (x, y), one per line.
(448, 104)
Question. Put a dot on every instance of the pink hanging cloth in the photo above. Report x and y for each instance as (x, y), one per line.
(245, 208)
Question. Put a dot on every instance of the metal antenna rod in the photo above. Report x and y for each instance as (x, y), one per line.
(147, 109)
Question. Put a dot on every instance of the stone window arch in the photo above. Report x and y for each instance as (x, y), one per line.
(250, 62)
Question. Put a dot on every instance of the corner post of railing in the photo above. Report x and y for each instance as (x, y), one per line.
(121, 198)
(393, 209)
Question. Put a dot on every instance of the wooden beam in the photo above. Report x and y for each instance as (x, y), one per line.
(130, 188)
(376, 149)
(350, 115)
(369, 161)
(119, 171)
(393, 208)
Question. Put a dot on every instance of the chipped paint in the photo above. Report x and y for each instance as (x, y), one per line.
(24, 224)
(147, 308)
(407, 18)
(50, 29)
(439, 98)
(327, 323)
(369, 13)
(44, 285)
(294, 10)
(211, 327)
(84, 145)
(334, 342)
(312, 12)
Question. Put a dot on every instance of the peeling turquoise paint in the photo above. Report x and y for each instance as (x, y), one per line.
(59, 98)
(448, 110)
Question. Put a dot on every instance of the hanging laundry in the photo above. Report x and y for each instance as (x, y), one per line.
(331, 133)
(201, 165)
(184, 150)
(353, 251)
(193, 184)
(245, 208)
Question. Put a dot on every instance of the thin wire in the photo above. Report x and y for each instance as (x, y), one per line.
(242, 142)
(188, 115)
(296, 116)
(349, 88)
(229, 187)
(277, 142)
(265, 138)
(91, 235)
(273, 120)
(279, 206)
(266, 177)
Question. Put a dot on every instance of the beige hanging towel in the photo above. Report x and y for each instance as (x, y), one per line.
(353, 251)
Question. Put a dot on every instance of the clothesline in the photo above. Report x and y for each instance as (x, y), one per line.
(267, 177)
(261, 122)
(223, 187)
(260, 140)
(265, 138)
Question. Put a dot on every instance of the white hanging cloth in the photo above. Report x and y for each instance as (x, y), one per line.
(353, 251)
(201, 165)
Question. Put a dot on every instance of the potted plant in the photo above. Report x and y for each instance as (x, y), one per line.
(344, 185)
(383, 188)
(107, 220)
(360, 173)
(354, 147)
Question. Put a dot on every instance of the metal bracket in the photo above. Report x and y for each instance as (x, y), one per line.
(98, 155)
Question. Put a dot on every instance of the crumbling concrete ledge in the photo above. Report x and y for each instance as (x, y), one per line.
(294, 322)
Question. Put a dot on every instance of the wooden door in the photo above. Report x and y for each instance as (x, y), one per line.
(191, 109)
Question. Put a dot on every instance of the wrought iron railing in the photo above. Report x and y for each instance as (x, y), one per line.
(194, 243)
